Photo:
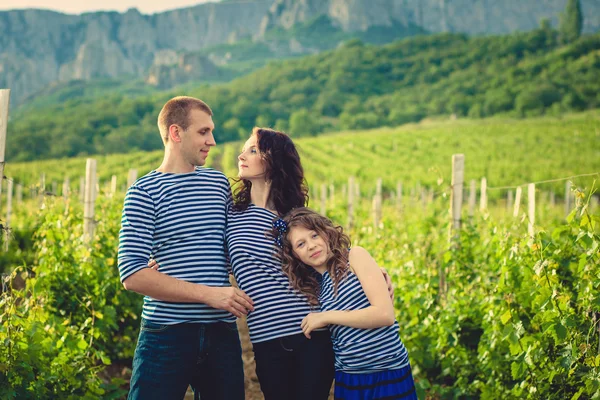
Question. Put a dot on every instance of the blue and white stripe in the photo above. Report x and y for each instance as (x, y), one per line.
(360, 350)
(179, 220)
(278, 309)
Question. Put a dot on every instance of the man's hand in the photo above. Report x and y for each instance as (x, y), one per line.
(388, 280)
(313, 321)
(229, 299)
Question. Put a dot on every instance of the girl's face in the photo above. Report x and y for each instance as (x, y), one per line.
(250, 163)
(309, 247)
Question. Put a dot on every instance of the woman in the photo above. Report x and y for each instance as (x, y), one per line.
(270, 184)
(371, 361)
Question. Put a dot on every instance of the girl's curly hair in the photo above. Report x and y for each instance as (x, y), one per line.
(302, 277)
(283, 168)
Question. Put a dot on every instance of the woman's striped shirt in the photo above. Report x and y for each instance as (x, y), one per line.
(179, 220)
(360, 350)
(278, 309)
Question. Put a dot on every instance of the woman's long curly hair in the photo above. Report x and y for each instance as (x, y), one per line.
(283, 169)
(302, 277)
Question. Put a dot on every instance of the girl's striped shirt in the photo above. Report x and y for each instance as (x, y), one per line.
(360, 350)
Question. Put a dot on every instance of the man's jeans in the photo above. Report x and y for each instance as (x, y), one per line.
(168, 358)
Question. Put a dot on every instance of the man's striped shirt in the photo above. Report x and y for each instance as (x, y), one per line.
(360, 350)
(278, 309)
(179, 220)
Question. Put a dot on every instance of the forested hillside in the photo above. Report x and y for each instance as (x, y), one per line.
(354, 87)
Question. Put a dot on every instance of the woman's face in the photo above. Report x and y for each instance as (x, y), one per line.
(309, 247)
(250, 163)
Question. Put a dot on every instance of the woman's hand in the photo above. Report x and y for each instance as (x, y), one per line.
(152, 264)
(313, 321)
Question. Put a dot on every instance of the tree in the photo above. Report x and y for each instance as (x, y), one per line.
(571, 22)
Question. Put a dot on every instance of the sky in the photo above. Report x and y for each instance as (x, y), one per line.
(78, 6)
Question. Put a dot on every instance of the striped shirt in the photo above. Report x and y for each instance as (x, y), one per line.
(179, 220)
(278, 309)
(360, 350)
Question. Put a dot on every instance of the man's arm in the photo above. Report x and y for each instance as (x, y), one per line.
(160, 286)
(135, 247)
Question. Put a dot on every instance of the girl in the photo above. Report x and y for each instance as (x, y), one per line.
(370, 360)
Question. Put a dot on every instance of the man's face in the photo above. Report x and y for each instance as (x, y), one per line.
(198, 138)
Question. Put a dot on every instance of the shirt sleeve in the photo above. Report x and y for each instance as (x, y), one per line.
(229, 209)
(137, 232)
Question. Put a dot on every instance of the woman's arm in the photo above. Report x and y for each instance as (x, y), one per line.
(381, 311)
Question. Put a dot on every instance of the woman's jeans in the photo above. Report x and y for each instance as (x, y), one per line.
(294, 367)
(169, 358)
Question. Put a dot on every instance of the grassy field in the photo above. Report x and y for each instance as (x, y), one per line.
(507, 152)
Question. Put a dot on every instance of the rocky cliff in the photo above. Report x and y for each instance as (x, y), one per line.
(39, 47)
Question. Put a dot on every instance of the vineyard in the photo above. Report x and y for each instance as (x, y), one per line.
(486, 311)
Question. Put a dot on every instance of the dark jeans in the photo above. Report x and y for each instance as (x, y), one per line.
(168, 358)
(294, 367)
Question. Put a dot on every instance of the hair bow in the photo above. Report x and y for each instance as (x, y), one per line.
(281, 227)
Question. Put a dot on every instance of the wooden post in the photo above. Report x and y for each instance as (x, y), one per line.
(376, 211)
(509, 199)
(331, 194)
(54, 188)
(19, 193)
(4, 100)
(377, 202)
(483, 199)
(472, 197)
(552, 198)
(90, 188)
(568, 197)
(113, 185)
(66, 188)
(9, 193)
(594, 203)
(456, 197)
(351, 192)
(517, 202)
(42, 192)
(323, 199)
(531, 209)
(131, 177)
(399, 196)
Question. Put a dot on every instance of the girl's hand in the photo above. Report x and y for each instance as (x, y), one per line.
(388, 281)
(152, 264)
(313, 321)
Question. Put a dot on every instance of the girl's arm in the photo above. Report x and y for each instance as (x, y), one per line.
(381, 311)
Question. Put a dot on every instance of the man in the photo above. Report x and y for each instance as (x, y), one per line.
(176, 215)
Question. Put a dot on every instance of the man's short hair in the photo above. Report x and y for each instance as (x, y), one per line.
(176, 111)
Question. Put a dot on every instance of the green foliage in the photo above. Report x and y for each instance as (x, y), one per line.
(517, 318)
(571, 23)
(356, 86)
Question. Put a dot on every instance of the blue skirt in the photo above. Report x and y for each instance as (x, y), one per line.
(392, 384)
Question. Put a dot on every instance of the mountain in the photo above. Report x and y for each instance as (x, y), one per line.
(40, 47)
(355, 86)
